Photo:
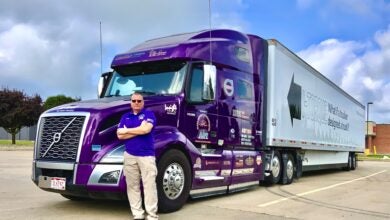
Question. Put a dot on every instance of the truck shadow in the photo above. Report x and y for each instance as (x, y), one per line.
(93, 206)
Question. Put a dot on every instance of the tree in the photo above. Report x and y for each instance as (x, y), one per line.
(57, 100)
(18, 110)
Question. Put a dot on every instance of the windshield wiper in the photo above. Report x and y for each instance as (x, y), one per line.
(116, 94)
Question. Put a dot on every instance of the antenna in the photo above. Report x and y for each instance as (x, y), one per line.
(101, 50)
(211, 55)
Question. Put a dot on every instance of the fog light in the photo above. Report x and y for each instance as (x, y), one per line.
(110, 177)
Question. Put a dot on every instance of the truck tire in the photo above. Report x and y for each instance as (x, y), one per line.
(276, 169)
(173, 181)
(288, 169)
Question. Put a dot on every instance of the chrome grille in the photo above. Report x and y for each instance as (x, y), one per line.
(59, 137)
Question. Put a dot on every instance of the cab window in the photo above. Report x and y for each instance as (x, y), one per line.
(196, 84)
(244, 90)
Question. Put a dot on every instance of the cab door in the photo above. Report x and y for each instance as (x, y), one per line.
(200, 125)
(199, 121)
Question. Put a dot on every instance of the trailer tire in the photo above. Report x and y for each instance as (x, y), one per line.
(173, 181)
(349, 164)
(276, 169)
(354, 161)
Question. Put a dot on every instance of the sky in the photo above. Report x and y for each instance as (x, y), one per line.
(51, 47)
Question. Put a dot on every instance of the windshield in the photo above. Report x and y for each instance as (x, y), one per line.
(156, 78)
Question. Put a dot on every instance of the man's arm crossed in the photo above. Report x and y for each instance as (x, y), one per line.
(127, 133)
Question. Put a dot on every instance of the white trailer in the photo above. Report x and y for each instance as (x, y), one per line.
(309, 117)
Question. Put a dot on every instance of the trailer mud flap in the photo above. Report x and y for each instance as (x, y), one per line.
(298, 165)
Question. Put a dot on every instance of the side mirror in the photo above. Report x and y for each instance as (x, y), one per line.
(102, 85)
(209, 82)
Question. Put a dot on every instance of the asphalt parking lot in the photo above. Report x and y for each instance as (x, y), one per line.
(332, 194)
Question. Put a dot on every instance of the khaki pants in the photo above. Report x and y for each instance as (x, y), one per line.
(134, 169)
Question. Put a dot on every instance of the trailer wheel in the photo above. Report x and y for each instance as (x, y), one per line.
(354, 161)
(276, 169)
(173, 181)
(349, 164)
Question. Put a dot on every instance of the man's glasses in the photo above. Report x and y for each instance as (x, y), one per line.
(136, 101)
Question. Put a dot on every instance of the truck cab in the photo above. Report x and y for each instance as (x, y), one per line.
(207, 99)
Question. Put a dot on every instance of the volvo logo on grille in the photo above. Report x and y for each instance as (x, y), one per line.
(56, 137)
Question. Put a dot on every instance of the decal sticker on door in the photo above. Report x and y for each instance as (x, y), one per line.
(203, 127)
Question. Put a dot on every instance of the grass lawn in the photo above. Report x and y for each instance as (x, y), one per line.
(18, 142)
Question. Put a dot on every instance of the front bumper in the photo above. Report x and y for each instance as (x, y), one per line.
(82, 180)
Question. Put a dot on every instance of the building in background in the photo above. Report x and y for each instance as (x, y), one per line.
(26, 133)
(378, 138)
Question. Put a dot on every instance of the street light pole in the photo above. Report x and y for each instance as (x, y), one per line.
(368, 112)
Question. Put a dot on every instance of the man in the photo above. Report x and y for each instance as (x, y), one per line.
(136, 128)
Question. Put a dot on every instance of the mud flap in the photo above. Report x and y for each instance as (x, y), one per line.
(298, 165)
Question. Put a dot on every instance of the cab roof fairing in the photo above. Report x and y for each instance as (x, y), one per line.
(191, 46)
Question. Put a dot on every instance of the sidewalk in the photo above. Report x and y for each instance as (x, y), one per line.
(374, 157)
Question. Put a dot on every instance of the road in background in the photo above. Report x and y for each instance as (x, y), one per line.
(333, 194)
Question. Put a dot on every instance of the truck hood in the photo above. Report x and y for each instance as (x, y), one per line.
(108, 103)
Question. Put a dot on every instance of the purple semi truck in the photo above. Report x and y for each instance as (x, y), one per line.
(232, 110)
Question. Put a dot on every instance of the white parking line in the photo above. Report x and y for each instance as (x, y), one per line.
(317, 190)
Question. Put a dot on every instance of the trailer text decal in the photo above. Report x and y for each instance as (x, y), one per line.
(339, 113)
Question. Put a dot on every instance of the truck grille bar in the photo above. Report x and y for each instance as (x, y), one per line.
(59, 137)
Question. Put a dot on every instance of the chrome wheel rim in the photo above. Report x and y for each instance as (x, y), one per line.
(289, 169)
(173, 180)
(275, 166)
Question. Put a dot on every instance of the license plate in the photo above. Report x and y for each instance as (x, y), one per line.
(58, 183)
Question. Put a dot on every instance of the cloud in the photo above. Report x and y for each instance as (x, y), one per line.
(360, 68)
(35, 63)
(366, 8)
(231, 20)
(331, 57)
(55, 49)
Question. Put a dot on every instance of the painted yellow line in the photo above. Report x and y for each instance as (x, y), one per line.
(317, 190)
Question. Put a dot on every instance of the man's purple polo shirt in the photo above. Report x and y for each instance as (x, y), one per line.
(140, 145)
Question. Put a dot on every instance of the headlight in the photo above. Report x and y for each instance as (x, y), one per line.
(110, 177)
(106, 174)
(114, 156)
